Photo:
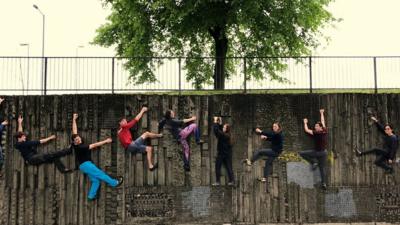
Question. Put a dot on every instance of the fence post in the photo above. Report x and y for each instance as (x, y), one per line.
(179, 73)
(244, 75)
(112, 74)
(45, 77)
(375, 77)
(310, 72)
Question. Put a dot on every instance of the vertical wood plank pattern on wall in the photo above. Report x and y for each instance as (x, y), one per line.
(39, 195)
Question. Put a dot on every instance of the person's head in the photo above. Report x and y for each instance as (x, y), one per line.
(123, 121)
(318, 126)
(388, 129)
(21, 136)
(276, 127)
(169, 114)
(226, 128)
(76, 139)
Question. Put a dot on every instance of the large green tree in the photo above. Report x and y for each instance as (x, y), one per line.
(260, 30)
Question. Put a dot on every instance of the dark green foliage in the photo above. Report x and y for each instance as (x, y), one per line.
(190, 28)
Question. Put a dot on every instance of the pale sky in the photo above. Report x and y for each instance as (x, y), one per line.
(369, 27)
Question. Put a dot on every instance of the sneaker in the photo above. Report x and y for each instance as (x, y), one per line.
(314, 166)
(262, 179)
(358, 152)
(231, 184)
(247, 162)
(155, 166)
(67, 170)
(120, 181)
(200, 142)
(323, 186)
(216, 184)
(186, 168)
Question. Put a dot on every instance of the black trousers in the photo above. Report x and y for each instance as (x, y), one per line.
(272, 155)
(226, 160)
(381, 157)
(52, 157)
(313, 156)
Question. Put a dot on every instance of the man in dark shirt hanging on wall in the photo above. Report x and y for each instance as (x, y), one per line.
(29, 152)
(387, 155)
(317, 156)
(84, 160)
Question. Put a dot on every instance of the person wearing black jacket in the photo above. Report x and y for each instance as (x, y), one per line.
(29, 152)
(387, 154)
(276, 138)
(224, 149)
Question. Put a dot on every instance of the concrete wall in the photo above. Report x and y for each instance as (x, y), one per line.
(358, 191)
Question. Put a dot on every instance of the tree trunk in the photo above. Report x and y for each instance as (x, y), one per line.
(221, 48)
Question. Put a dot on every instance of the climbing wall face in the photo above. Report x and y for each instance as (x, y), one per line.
(358, 191)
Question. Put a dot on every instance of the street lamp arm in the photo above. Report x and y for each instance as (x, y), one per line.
(37, 8)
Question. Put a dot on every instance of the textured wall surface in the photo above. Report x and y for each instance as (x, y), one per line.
(358, 191)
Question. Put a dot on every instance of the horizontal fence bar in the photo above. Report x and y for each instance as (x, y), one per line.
(73, 75)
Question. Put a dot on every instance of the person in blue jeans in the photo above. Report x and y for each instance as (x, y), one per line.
(276, 138)
(86, 165)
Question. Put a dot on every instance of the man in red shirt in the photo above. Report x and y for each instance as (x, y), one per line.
(137, 146)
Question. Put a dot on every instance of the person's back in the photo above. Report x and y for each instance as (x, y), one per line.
(224, 145)
(174, 126)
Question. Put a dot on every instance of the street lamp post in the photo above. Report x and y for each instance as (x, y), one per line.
(43, 26)
(27, 70)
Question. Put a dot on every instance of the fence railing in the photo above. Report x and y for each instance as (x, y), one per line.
(77, 75)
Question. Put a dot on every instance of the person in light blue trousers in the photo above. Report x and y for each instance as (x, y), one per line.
(83, 158)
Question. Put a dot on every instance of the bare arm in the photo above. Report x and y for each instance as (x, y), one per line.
(100, 143)
(45, 140)
(321, 111)
(306, 129)
(74, 126)
(140, 115)
(20, 119)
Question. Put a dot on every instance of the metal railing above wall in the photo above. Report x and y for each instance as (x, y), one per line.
(79, 75)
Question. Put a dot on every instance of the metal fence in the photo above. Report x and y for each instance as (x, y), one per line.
(78, 75)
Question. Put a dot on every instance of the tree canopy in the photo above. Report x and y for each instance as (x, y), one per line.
(220, 28)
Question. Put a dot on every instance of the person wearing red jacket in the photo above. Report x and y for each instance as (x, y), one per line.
(138, 145)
